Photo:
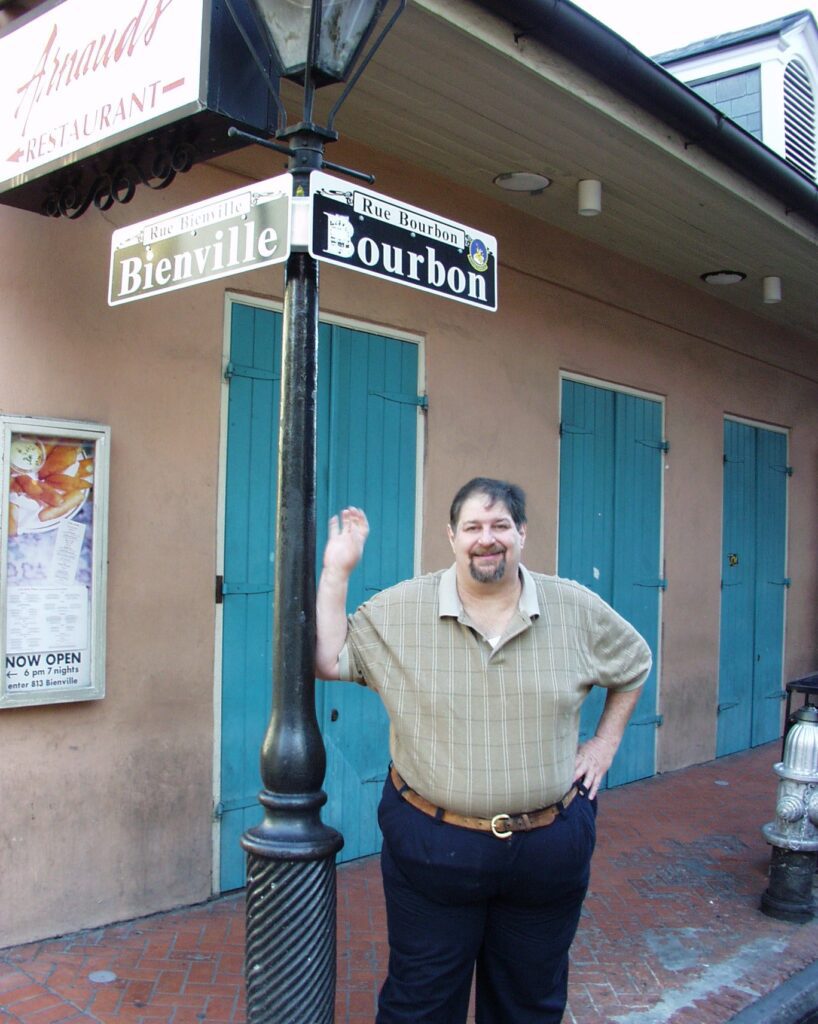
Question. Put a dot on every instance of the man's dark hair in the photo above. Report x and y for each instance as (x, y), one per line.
(512, 496)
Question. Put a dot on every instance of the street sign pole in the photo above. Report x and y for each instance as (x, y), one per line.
(291, 903)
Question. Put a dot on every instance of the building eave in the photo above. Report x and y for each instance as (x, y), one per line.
(599, 51)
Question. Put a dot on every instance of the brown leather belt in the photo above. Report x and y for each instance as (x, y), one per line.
(501, 825)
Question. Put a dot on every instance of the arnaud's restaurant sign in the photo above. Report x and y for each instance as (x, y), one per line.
(87, 74)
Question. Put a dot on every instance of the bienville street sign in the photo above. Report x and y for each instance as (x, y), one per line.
(235, 232)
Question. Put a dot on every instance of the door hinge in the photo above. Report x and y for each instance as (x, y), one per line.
(238, 370)
(246, 589)
(726, 707)
(226, 589)
(239, 804)
(659, 584)
(653, 720)
(662, 446)
(402, 398)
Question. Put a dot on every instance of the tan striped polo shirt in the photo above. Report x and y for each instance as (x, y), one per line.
(485, 730)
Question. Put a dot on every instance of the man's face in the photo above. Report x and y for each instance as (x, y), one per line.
(487, 545)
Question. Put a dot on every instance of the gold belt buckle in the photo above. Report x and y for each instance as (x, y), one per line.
(495, 828)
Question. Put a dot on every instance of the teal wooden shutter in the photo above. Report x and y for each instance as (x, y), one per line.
(753, 584)
(609, 538)
(637, 577)
(586, 508)
(371, 463)
(366, 455)
(254, 373)
(771, 552)
(736, 640)
(586, 537)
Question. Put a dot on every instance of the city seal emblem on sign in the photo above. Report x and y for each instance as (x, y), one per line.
(339, 235)
(478, 254)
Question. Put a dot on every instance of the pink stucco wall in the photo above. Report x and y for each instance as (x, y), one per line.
(107, 805)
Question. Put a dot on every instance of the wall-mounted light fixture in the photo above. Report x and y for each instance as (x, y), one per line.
(589, 197)
(523, 181)
(723, 277)
(771, 289)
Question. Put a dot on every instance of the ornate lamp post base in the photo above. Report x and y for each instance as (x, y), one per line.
(291, 911)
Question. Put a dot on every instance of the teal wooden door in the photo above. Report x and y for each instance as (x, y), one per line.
(254, 374)
(753, 586)
(366, 456)
(368, 460)
(610, 534)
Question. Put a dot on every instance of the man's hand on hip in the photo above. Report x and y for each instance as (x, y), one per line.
(594, 758)
(596, 755)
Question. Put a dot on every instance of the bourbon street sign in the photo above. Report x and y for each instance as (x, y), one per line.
(234, 232)
(376, 235)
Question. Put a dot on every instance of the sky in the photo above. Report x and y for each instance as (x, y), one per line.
(656, 27)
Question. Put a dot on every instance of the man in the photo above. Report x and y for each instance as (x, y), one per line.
(488, 813)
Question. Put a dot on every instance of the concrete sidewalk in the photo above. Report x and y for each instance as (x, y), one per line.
(670, 934)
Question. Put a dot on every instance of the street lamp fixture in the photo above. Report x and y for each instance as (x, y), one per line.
(343, 30)
(291, 912)
(313, 43)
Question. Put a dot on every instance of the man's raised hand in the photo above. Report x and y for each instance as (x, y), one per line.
(346, 540)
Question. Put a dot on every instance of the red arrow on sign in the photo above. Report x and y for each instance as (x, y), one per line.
(16, 156)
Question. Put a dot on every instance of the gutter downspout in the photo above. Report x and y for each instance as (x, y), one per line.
(565, 28)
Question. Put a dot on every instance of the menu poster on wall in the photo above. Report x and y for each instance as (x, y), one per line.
(52, 576)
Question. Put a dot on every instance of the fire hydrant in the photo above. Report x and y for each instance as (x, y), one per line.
(794, 833)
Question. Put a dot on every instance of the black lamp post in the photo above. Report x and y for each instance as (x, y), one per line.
(291, 912)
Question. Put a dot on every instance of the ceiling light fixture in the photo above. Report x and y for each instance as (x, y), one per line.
(523, 181)
(589, 197)
(771, 289)
(723, 277)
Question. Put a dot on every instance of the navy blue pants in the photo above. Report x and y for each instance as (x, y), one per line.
(456, 898)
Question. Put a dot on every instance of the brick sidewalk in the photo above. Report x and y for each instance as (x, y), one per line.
(670, 932)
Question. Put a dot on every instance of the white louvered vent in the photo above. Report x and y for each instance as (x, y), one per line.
(799, 118)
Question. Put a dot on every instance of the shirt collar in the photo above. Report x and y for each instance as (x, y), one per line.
(449, 600)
